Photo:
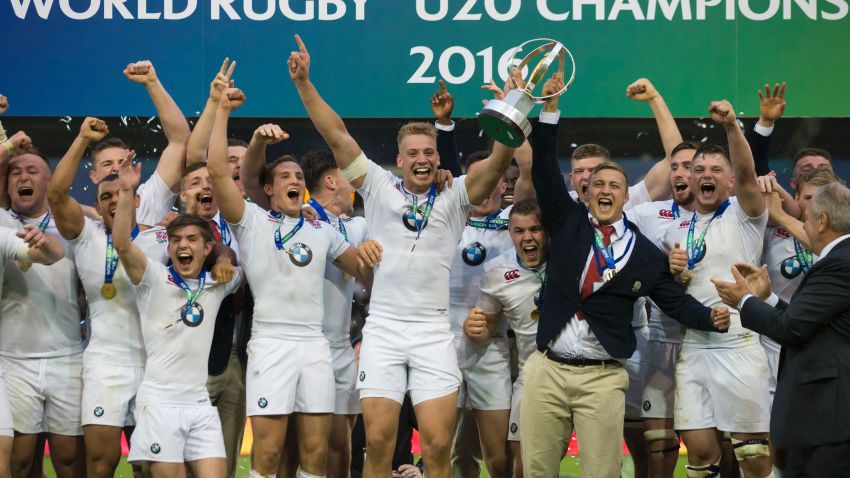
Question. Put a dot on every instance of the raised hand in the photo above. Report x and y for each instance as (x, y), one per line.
(442, 104)
(678, 260)
(20, 141)
(299, 62)
(141, 72)
(720, 318)
(222, 79)
(722, 113)
(4, 104)
(475, 325)
(93, 130)
(129, 175)
(231, 99)
(642, 90)
(552, 86)
(757, 278)
(498, 93)
(771, 104)
(270, 134)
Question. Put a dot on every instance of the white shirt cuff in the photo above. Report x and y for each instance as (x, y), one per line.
(743, 299)
(771, 301)
(550, 117)
(762, 130)
(445, 127)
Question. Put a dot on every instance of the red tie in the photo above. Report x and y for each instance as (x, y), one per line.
(592, 275)
(215, 231)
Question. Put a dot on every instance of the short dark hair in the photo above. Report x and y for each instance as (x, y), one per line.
(191, 169)
(33, 150)
(526, 207)
(268, 172)
(316, 164)
(106, 144)
(612, 166)
(707, 149)
(106, 179)
(685, 146)
(236, 142)
(591, 150)
(475, 157)
(811, 152)
(186, 220)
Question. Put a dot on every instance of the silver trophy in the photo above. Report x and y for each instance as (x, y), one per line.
(507, 120)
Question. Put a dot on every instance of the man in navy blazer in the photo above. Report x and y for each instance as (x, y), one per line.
(599, 265)
(810, 409)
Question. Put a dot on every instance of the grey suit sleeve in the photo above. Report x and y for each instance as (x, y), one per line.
(822, 298)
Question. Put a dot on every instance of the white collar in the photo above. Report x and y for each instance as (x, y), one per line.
(619, 226)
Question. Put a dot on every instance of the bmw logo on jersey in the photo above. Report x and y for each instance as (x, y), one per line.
(300, 254)
(411, 220)
(791, 267)
(474, 254)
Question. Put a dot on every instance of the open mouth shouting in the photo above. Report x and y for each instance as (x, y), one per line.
(680, 186)
(293, 193)
(206, 200)
(184, 258)
(605, 205)
(422, 173)
(531, 253)
(25, 191)
(707, 190)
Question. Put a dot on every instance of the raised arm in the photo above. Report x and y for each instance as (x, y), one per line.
(771, 107)
(325, 119)
(199, 140)
(67, 212)
(442, 105)
(174, 126)
(658, 178)
(132, 257)
(255, 160)
(481, 180)
(230, 202)
(8, 148)
(747, 188)
(43, 248)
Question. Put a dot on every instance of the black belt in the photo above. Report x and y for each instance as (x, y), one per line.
(576, 361)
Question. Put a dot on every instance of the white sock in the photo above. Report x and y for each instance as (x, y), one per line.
(256, 474)
(303, 474)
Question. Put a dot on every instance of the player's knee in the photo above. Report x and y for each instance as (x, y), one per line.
(661, 441)
(267, 457)
(711, 470)
(498, 466)
(379, 443)
(339, 442)
(437, 447)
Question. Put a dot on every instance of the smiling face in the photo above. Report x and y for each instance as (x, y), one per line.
(711, 181)
(680, 176)
(580, 175)
(198, 185)
(27, 184)
(529, 238)
(418, 160)
(188, 250)
(286, 187)
(607, 192)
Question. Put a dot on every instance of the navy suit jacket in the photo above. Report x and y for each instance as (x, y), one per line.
(609, 310)
(812, 402)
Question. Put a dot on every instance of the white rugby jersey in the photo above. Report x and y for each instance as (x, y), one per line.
(39, 315)
(116, 336)
(177, 350)
(512, 290)
(412, 283)
(288, 284)
(339, 286)
(784, 268)
(732, 237)
(155, 201)
(477, 247)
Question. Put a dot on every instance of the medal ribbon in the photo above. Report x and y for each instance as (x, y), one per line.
(414, 205)
(224, 230)
(323, 215)
(42, 226)
(804, 256)
(675, 210)
(607, 252)
(111, 263)
(693, 247)
(278, 241)
(492, 222)
(191, 295)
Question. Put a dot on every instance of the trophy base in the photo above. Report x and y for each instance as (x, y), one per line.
(506, 120)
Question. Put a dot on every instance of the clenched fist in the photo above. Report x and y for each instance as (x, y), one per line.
(475, 325)
(232, 99)
(93, 130)
(641, 90)
(141, 72)
(722, 113)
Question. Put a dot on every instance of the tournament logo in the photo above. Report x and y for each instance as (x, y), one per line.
(362, 376)
(474, 254)
(300, 254)
(514, 427)
(411, 220)
(98, 411)
(646, 405)
(155, 449)
(791, 267)
(263, 403)
(193, 317)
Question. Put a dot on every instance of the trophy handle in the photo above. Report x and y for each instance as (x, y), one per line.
(543, 67)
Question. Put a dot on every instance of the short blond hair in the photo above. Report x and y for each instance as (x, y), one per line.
(419, 127)
(817, 177)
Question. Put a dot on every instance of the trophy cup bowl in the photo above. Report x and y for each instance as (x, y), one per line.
(507, 120)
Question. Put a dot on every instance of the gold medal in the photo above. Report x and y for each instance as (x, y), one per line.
(608, 274)
(346, 276)
(687, 276)
(535, 314)
(108, 291)
(25, 266)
